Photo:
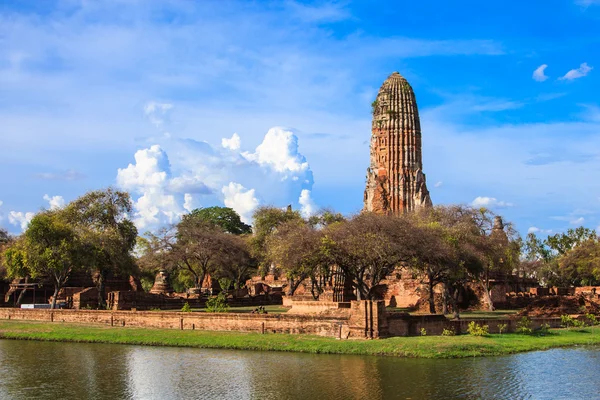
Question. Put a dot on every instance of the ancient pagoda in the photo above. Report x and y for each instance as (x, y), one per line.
(395, 178)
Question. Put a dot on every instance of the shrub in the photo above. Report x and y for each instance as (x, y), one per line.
(578, 324)
(543, 329)
(186, 307)
(477, 330)
(448, 332)
(423, 332)
(502, 328)
(524, 326)
(217, 303)
(566, 321)
(592, 320)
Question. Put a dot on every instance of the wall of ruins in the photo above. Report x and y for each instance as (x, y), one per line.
(260, 323)
(365, 319)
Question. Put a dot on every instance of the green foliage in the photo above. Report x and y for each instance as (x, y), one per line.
(502, 328)
(186, 307)
(266, 221)
(475, 329)
(423, 332)
(567, 321)
(374, 106)
(592, 320)
(448, 332)
(544, 329)
(224, 217)
(217, 304)
(147, 283)
(524, 326)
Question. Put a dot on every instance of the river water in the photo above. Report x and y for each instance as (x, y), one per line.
(39, 370)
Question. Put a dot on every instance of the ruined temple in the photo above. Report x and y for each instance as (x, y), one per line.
(395, 178)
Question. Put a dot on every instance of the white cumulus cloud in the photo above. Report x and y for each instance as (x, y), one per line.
(279, 150)
(232, 144)
(190, 203)
(307, 205)
(580, 72)
(242, 200)
(19, 218)
(489, 202)
(55, 202)
(176, 175)
(539, 74)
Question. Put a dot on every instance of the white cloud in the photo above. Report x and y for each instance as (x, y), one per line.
(307, 205)
(577, 221)
(68, 175)
(189, 202)
(151, 169)
(196, 172)
(157, 113)
(149, 177)
(232, 144)
(489, 202)
(55, 202)
(535, 229)
(438, 184)
(279, 150)
(586, 3)
(580, 72)
(539, 75)
(19, 218)
(240, 199)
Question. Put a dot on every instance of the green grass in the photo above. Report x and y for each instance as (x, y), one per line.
(426, 347)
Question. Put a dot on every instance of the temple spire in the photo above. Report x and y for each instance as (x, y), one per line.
(395, 179)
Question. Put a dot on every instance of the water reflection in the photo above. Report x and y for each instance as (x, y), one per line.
(87, 371)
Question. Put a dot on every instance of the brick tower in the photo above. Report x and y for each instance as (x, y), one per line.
(395, 178)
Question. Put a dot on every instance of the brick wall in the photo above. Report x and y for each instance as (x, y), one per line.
(272, 323)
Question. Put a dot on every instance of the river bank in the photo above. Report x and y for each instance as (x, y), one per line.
(421, 347)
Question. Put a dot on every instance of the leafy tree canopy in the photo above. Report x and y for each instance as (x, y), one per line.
(224, 217)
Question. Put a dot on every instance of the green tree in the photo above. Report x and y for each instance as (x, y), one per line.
(296, 249)
(224, 217)
(266, 221)
(367, 248)
(100, 219)
(50, 248)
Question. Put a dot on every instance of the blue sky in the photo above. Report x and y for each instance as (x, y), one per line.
(141, 95)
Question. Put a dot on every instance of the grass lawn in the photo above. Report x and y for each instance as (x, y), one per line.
(426, 346)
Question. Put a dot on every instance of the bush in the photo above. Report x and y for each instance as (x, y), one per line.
(502, 328)
(448, 332)
(423, 332)
(477, 330)
(543, 329)
(524, 326)
(186, 307)
(566, 321)
(217, 303)
(592, 320)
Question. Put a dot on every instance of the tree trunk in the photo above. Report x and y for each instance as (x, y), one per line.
(53, 306)
(431, 297)
(445, 299)
(454, 299)
(487, 295)
(101, 286)
(22, 294)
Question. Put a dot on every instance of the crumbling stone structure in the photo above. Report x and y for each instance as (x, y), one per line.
(395, 179)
